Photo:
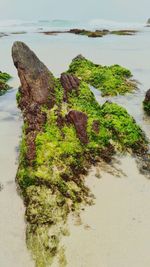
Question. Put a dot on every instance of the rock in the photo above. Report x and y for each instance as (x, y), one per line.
(147, 96)
(146, 102)
(124, 32)
(92, 34)
(69, 82)
(79, 57)
(95, 34)
(79, 119)
(36, 80)
(78, 31)
(37, 89)
(96, 126)
(148, 21)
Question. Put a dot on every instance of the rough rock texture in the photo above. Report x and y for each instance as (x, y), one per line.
(36, 80)
(147, 96)
(37, 89)
(69, 82)
(96, 126)
(79, 119)
(146, 102)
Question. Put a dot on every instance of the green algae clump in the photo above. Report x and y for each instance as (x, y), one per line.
(146, 102)
(146, 106)
(4, 77)
(111, 81)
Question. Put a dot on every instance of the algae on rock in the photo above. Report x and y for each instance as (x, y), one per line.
(52, 183)
(112, 80)
(4, 77)
(146, 102)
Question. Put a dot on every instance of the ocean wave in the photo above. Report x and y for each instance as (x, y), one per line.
(60, 24)
(111, 24)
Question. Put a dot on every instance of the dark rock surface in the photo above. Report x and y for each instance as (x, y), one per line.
(79, 119)
(36, 79)
(96, 126)
(146, 102)
(69, 82)
(37, 89)
(93, 34)
(147, 96)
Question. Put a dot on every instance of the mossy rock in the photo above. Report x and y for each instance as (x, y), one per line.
(4, 77)
(111, 81)
(146, 102)
(146, 106)
(124, 32)
(54, 185)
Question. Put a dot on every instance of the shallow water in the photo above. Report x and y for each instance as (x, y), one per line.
(118, 232)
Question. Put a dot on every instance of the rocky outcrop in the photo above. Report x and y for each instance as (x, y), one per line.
(4, 77)
(96, 126)
(93, 34)
(36, 80)
(147, 96)
(146, 102)
(60, 142)
(148, 23)
(37, 89)
(79, 119)
(69, 82)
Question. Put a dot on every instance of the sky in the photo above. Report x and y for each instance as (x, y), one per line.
(118, 10)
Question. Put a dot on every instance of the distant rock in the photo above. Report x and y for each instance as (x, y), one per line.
(92, 34)
(148, 21)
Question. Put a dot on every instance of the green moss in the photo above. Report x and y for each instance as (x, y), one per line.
(58, 92)
(18, 97)
(146, 106)
(53, 186)
(101, 33)
(43, 241)
(88, 33)
(124, 32)
(111, 80)
(4, 77)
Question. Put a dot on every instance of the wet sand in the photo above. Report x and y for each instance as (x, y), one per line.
(115, 231)
(13, 251)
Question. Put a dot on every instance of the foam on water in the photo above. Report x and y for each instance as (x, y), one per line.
(31, 26)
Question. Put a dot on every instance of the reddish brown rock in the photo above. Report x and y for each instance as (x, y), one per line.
(147, 96)
(96, 126)
(37, 81)
(37, 89)
(79, 119)
(69, 82)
